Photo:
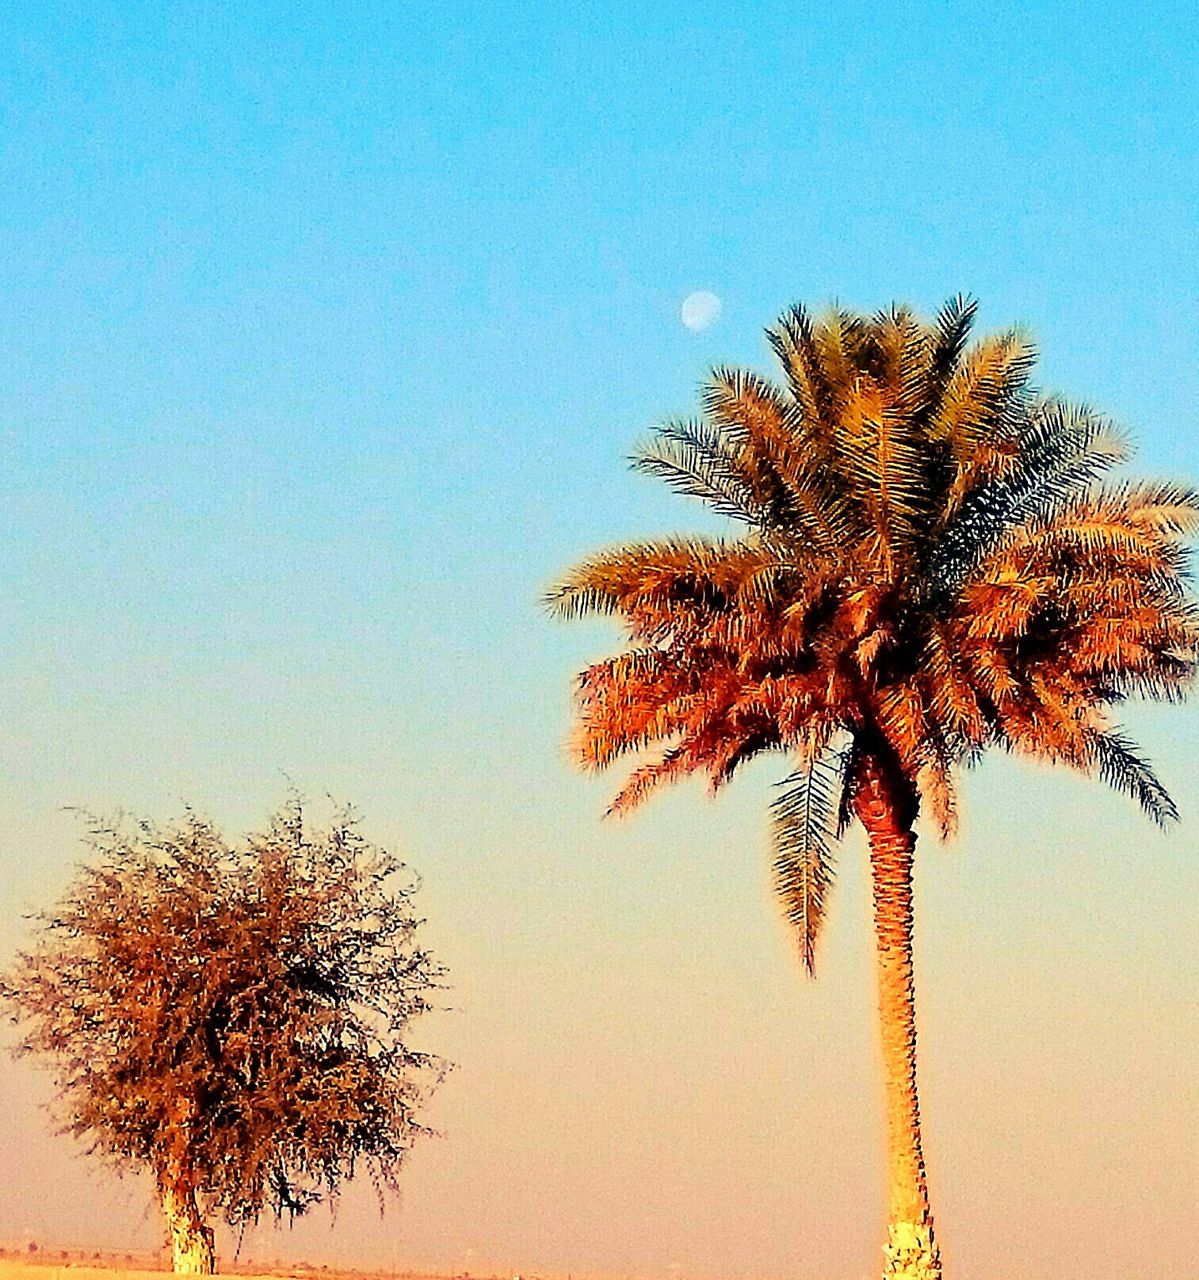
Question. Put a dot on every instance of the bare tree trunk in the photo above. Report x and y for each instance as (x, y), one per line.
(886, 803)
(191, 1241)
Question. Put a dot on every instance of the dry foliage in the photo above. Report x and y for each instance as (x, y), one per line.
(234, 1015)
(931, 564)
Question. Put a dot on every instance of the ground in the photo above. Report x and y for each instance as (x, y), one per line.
(42, 1263)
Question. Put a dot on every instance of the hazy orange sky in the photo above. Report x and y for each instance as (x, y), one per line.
(327, 333)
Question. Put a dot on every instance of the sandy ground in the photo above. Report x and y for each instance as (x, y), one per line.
(80, 1264)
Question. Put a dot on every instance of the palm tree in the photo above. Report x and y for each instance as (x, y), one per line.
(928, 564)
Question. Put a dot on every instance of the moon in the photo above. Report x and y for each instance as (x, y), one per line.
(700, 310)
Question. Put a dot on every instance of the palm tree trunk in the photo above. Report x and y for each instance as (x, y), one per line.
(887, 805)
(191, 1241)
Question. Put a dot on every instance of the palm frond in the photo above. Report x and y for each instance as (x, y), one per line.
(840, 338)
(1059, 453)
(1162, 506)
(619, 580)
(649, 777)
(899, 360)
(743, 403)
(938, 794)
(884, 463)
(803, 829)
(1094, 537)
(629, 702)
(951, 680)
(777, 585)
(982, 393)
(1119, 765)
(793, 341)
(851, 763)
(950, 332)
(698, 462)
(786, 457)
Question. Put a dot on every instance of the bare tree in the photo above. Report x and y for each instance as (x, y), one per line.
(232, 1017)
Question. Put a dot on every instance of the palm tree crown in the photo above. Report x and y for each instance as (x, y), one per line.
(930, 564)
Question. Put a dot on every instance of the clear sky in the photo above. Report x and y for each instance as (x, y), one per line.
(326, 332)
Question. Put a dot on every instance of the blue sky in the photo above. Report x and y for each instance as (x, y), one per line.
(326, 333)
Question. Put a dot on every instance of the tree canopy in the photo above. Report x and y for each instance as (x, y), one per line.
(234, 1016)
(929, 557)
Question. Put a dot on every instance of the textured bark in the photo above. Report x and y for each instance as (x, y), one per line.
(191, 1241)
(886, 804)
